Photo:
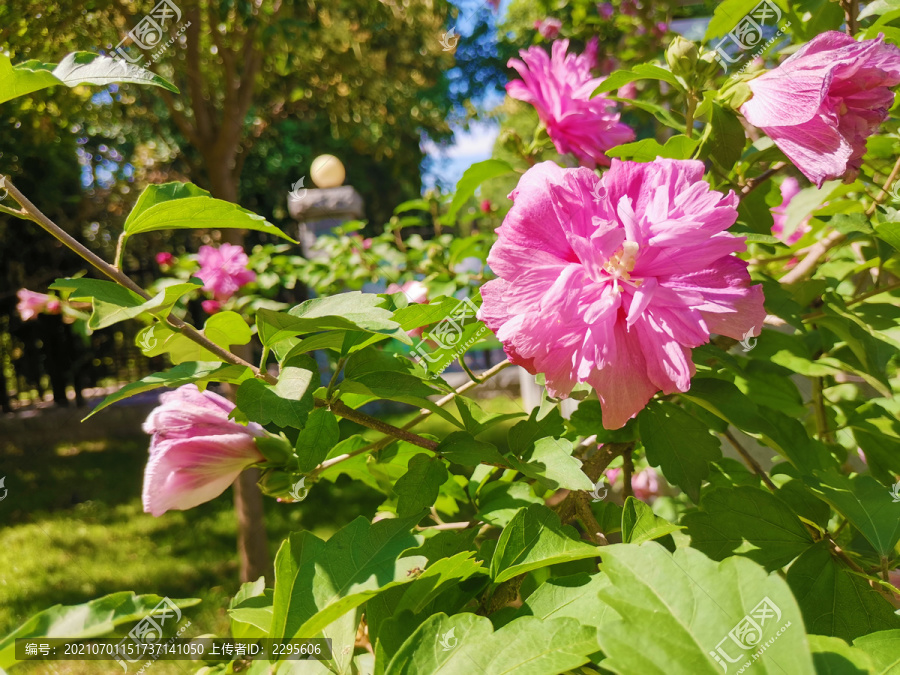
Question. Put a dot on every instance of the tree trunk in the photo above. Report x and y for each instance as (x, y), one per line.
(253, 545)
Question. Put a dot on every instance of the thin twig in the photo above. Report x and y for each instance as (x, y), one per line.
(338, 407)
(753, 183)
(122, 279)
(627, 473)
(818, 400)
(757, 469)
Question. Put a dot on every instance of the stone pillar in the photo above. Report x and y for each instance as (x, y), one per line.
(320, 210)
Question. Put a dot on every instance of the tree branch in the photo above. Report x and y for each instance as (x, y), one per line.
(757, 469)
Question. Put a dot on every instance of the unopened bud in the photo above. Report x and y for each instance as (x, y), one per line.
(682, 57)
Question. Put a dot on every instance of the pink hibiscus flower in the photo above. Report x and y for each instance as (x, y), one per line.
(823, 102)
(196, 452)
(31, 304)
(223, 270)
(560, 88)
(790, 186)
(613, 280)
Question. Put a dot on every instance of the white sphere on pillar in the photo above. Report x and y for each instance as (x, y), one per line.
(327, 171)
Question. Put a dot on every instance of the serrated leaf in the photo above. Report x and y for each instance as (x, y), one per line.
(465, 643)
(88, 620)
(834, 600)
(175, 207)
(642, 71)
(185, 373)
(224, 329)
(865, 502)
(550, 462)
(576, 596)
(24, 78)
(747, 521)
(533, 539)
(833, 656)
(640, 524)
(725, 138)
(317, 582)
(677, 610)
(498, 502)
(437, 578)
(679, 444)
(462, 448)
(285, 404)
(418, 488)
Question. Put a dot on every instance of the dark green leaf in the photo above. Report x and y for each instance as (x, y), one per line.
(834, 600)
(679, 444)
(418, 488)
(286, 404)
(533, 539)
(320, 435)
(474, 176)
(748, 521)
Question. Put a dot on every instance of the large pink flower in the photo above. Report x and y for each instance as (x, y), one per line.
(196, 452)
(560, 89)
(822, 103)
(224, 270)
(613, 280)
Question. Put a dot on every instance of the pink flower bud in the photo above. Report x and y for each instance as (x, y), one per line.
(211, 306)
(196, 452)
(164, 258)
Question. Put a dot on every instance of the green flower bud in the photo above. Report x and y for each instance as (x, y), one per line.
(682, 57)
(736, 92)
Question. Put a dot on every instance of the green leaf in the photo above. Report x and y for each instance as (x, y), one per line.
(474, 176)
(437, 578)
(418, 488)
(883, 648)
(889, 232)
(89, 620)
(550, 461)
(678, 443)
(185, 373)
(320, 435)
(23, 78)
(865, 502)
(75, 69)
(476, 420)
(463, 644)
(640, 524)
(397, 386)
(642, 71)
(678, 609)
(285, 404)
(461, 448)
(725, 137)
(317, 582)
(677, 147)
(533, 539)
(86, 68)
(833, 656)
(747, 521)
(224, 329)
(498, 501)
(834, 600)
(352, 311)
(113, 303)
(576, 596)
(726, 16)
(250, 610)
(176, 206)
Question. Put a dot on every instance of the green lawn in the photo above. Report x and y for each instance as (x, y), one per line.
(73, 529)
